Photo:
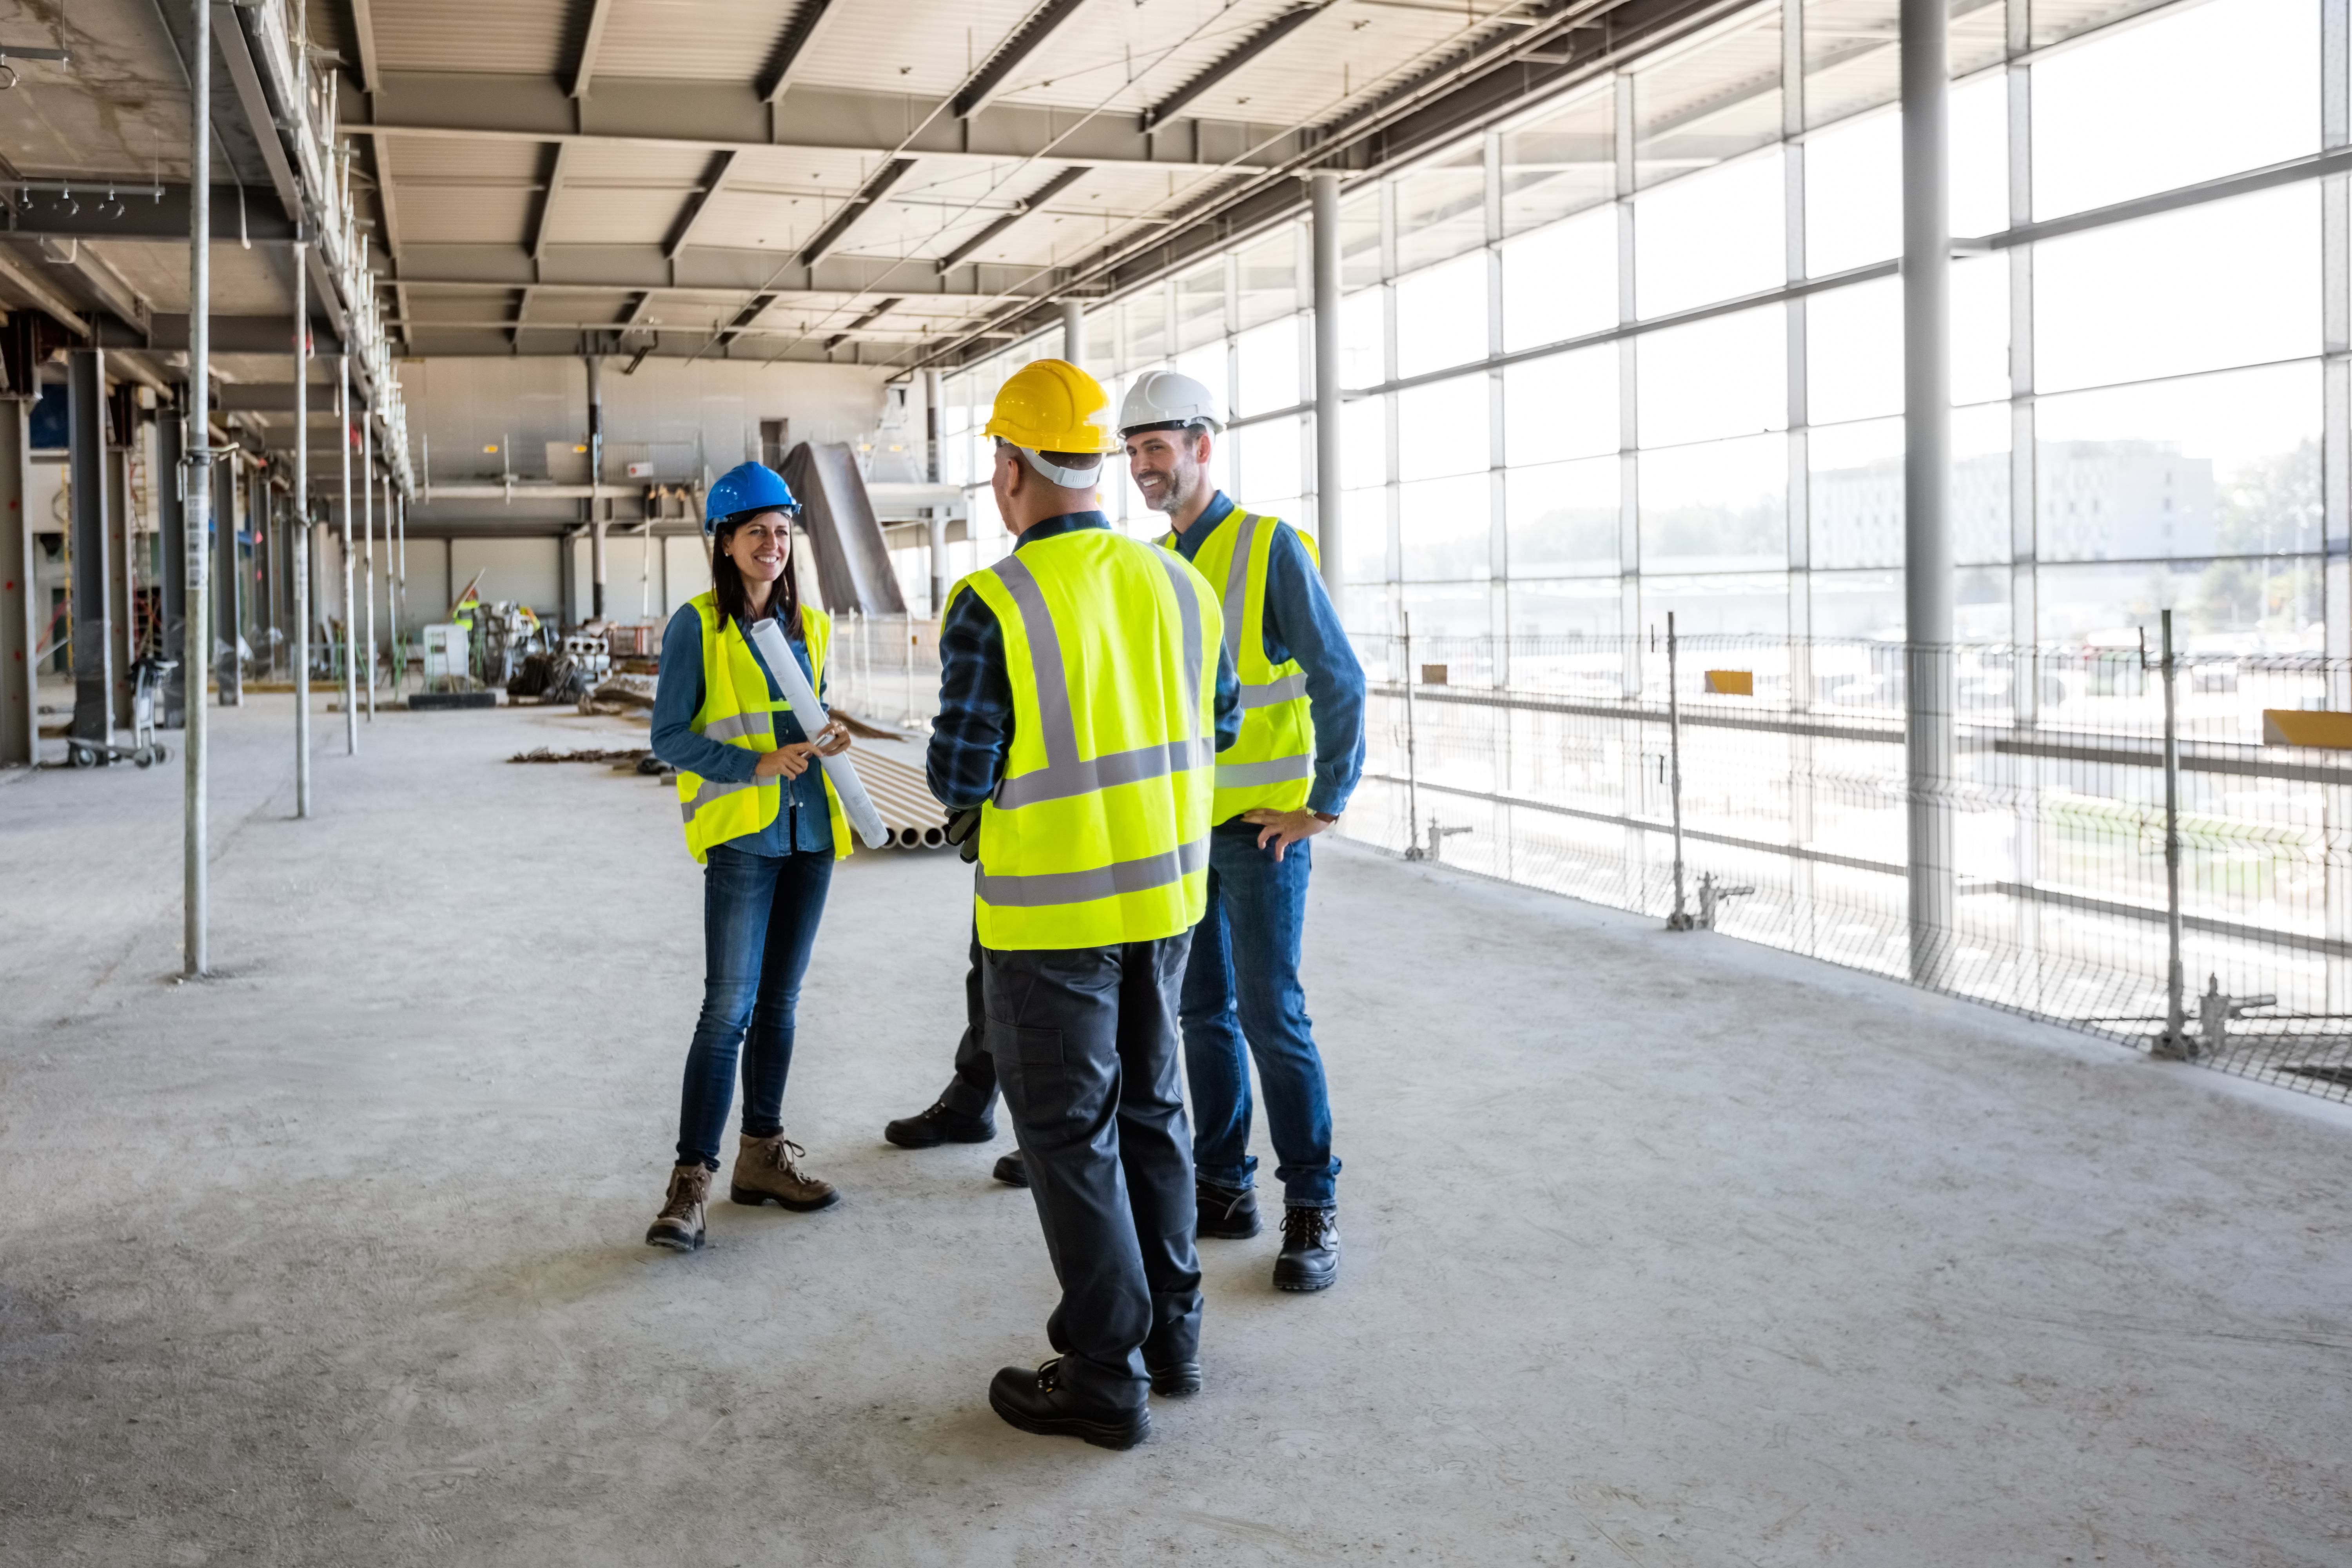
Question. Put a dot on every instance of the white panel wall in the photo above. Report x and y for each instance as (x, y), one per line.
(523, 569)
(689, 569)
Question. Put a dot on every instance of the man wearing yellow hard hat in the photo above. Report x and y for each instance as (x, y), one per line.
(1083, 694)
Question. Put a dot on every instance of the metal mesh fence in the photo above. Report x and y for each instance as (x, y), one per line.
(1552, 763)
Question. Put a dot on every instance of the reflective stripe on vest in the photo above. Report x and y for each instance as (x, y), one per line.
(737, 710)
(1103, 653)
(1272, 765)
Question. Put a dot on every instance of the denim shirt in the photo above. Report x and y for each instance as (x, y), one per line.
(972, 736)
(803, 821)
(1301, 623)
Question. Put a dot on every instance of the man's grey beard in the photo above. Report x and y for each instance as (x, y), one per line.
(1178, 495)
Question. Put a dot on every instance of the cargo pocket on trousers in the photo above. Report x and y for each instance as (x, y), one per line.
(1036, 1062)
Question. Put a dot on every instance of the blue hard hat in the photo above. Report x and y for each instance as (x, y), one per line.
(746, 487)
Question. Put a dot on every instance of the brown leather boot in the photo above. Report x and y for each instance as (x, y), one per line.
(679, 1224)
(766, 1171)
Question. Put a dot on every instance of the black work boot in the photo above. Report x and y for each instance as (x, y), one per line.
(1011, 1170)
(1038, 1402)
(939, 1125)
(1171, 1357)
(1229, 1213)
(1310, 1249)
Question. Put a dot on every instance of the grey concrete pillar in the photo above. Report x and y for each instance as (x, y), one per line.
(1928, 472)
(20, 620)
(91, 542)
(1324, 189)
(171, 522)
(1073, 333)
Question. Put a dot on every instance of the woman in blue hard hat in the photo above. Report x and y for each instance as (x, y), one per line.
(762, 819)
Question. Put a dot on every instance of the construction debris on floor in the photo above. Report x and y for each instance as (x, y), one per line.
(631, 754)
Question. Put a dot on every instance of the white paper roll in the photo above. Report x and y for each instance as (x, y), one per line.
(855, 804)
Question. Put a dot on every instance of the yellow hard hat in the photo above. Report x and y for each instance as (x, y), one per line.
(1052, 406)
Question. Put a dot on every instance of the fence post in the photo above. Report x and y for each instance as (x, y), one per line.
(1681, 918)
(1413, 850)
(2175, 1042)
(1412, 770)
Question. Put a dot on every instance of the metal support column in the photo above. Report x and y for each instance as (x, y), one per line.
(298, 526)
(228, 670)
(1074, 331)
(367, 552)
(934, 518)
(396, 508)
(2024, 505)
(90, 542)
(1330, 482)
(20, 727)
(1926, 489)
(197, 645)
(596, 486)
(171, 523)
(2336, 449)
(350, 606)
(122, 571)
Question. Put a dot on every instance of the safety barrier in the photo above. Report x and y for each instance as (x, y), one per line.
(2032, 862)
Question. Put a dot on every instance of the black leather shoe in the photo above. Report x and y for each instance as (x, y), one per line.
(1229, 1213)
(1310, 1249)
(939, 1125)
(1175, 1379)
(1036, 1402)
(1012, 1171)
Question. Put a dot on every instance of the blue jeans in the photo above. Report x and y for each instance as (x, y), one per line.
(760, 915)
(1242, 999)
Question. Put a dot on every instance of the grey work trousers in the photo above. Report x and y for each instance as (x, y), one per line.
(973, 1090)
(1085, 1042)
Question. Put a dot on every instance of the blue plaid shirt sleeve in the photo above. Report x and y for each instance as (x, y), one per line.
(973, 733)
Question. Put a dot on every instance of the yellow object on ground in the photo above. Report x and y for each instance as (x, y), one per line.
(1731, 682)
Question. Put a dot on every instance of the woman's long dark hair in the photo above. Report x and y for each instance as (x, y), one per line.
(734, 600)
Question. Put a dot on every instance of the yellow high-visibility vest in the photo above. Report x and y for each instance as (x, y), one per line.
(1099, 832)
(736, 709)
(1272, 766)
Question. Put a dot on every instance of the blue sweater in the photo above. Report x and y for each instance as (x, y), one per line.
(1301, 623)
(803, 822)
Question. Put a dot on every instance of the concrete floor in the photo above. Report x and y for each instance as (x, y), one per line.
(1663, 1250)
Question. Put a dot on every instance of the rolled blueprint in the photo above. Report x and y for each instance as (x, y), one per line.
(855, 803)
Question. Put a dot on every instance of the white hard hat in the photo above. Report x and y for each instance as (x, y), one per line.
(1167, 400)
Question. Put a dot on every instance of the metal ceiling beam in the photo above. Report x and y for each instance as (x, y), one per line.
(704, 269)
(540, 220)
(1030, 204)
(714, 180)
(838, 226)
(26, 280)
(363, 37)
(584, 69)
(989, 78)
(864, 321)
(1481, 85)
(801, 33)
(137, 214)
(722, 116)
(1250, 48)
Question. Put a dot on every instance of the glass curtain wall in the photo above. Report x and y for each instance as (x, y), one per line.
(1642, 350)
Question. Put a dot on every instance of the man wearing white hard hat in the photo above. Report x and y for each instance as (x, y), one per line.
(1288, 778)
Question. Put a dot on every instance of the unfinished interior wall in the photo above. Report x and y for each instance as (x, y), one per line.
(525, 570)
